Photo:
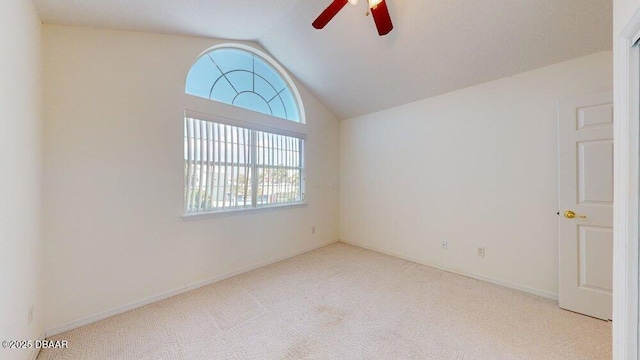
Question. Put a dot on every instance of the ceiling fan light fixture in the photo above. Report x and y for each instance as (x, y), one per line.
(379, 12)
(373, 3)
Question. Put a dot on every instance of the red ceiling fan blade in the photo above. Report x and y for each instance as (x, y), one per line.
(382, 19)
(329, 13)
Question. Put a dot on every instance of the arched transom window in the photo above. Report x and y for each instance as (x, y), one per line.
(243, 78)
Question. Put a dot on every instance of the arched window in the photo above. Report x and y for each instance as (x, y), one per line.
(243, 77)
(244, 161)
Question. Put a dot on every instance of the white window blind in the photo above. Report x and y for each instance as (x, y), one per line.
(229, 167)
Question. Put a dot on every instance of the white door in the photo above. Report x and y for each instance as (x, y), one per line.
(585, 198)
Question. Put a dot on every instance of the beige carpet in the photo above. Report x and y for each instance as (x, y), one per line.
(344, 302)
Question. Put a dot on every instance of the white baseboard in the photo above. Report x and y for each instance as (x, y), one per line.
(507, 284)
(35, 351)
(137, 304)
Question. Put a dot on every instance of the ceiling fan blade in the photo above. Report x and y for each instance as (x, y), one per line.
(382, 19)
(329, 13)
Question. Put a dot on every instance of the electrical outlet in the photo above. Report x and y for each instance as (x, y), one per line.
(30, 315)
(443, 245)
(313, 229)
(480, 251)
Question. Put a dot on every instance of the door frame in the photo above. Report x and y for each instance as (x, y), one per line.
(626, 164)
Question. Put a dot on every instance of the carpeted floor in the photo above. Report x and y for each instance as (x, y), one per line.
(344, 302)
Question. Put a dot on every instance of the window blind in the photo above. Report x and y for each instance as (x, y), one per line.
(228, 167)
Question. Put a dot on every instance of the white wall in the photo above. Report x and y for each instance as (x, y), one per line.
(20, 174)
(113, 175)
(476, 167)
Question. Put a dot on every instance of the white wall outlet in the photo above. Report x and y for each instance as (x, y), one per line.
(30, 315)
(443, 245)
(313, 229)
(480, 251)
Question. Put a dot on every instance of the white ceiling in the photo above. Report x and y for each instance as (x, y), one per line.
(437, 46)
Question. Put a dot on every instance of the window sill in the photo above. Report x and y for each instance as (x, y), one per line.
(233, 212)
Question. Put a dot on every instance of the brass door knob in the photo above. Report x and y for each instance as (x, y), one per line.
(570, 215)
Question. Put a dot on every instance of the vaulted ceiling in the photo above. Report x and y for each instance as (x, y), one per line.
(437, 46)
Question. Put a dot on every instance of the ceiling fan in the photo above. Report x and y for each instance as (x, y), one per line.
(379, 11)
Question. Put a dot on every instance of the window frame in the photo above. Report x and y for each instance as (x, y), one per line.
(210, 110)
(253, 127)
